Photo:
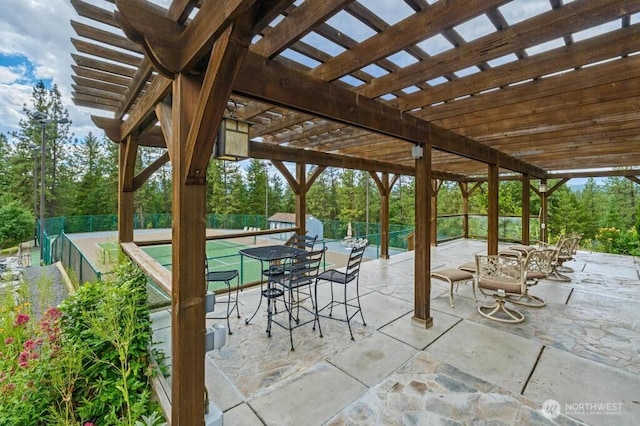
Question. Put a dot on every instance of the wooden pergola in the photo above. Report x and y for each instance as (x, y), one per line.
(354, 84)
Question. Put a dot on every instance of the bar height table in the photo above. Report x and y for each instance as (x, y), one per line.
(270, 254)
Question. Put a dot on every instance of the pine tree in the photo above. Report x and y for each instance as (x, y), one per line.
(57, 146)
(93, 192)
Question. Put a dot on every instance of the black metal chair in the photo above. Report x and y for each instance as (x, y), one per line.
(305, 242)
(299, 271)
(351, 273)
(224, 277)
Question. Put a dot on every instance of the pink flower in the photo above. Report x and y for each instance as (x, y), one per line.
(24, 364)
(22, 319)
(53, 313)
(8, 340)
(29, 344)
(89, 424)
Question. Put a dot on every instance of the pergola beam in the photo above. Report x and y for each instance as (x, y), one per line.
(336, 103)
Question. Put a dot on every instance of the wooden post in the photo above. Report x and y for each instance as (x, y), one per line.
(301, 198)
(543, 213)
(188, 253)
(492, 213)
(464, 189)
(384, 218)
(422, 273)
(526, 208)
(434, 211)
(125, 193)
(384, 187)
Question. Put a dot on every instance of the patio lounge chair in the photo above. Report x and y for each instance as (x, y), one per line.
(500, 276)
(351, 273)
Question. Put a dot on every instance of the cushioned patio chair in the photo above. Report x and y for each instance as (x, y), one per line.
(351, 274)
(562, 254)
(500, 276)
(537, 267)
(568, 254)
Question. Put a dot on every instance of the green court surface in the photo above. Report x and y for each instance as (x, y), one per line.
(221, 256)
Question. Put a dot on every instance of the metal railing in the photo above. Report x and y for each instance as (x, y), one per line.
(72, 258)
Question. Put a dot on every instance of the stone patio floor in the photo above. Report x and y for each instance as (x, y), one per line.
(574, 361)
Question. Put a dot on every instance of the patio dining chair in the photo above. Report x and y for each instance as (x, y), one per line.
(562, 253)
(537, 267)
(301, 271)
(351, 274)
(223, 280)
(306, 242)
(568, 253)
(500, 277)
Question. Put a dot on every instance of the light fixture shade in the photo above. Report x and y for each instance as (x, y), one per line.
(233, 140)
(417, 152)
(542, 187)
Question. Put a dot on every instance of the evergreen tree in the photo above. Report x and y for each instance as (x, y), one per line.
(93, 192)
(256, 188)
(319, 197)
(350, 209)
(591, 205)
(402, 202)
(449, 198)
(57, 144)
(276, 195)
(622, 203)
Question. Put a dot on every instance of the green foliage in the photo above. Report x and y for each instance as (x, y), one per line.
(109, 321)
(95, 194)
(155, 419)
(85, 362)
(614, 240)
(16, 224)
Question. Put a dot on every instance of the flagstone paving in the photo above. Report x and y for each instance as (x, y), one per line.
(465, 369)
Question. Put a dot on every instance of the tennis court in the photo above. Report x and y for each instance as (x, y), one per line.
(221, 255)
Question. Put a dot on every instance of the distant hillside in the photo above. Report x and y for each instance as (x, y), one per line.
(578, 187)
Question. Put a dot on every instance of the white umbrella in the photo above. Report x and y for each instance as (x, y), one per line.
(349, 232)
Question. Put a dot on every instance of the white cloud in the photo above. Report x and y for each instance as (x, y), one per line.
(8, 75)
(13, 96)
(40, 32)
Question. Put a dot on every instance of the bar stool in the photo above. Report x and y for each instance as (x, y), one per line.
(225, 277)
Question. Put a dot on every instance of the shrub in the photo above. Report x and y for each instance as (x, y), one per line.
(110, 322)
(85, 363)
(16, 224)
